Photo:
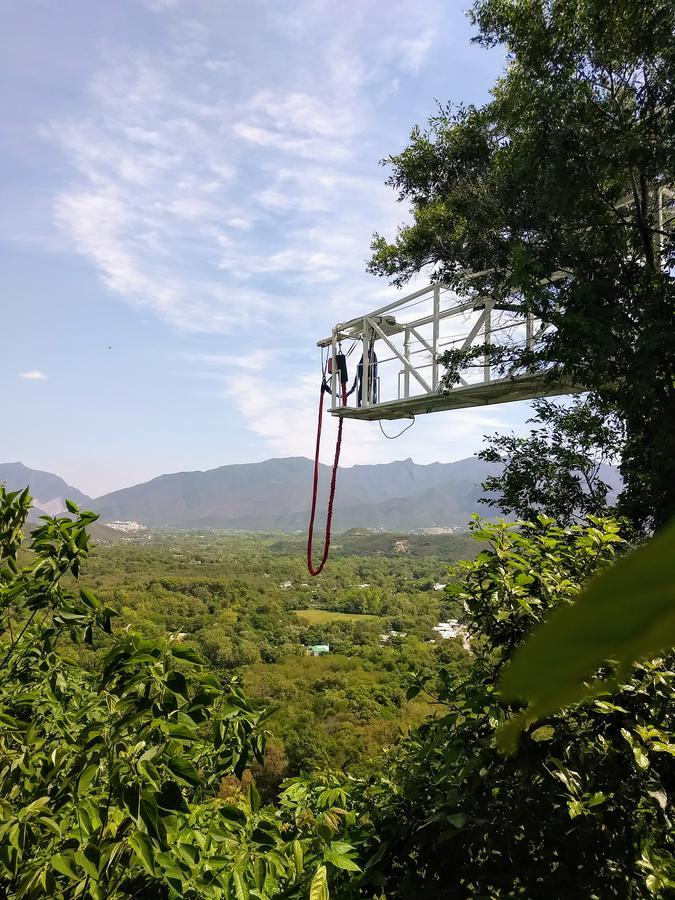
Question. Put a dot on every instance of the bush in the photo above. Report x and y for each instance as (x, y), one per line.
(581, 807)
(110, 778)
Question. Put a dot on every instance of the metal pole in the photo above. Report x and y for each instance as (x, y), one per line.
(434, 341)
(486, 360)
(366, 366)
(333, 374)
(406, 370)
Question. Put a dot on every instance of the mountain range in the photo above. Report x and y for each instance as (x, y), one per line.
(275, 495)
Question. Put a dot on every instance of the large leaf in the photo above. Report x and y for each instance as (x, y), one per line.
(341, 861)
(143, 849)
(626, 613)
(319, 887)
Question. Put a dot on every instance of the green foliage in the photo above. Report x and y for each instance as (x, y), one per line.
(222, 595)
(528, 191)
(582, 805)
(557, 469)
(529, 569)
(130, 768)
(337, 712)
(525, 189)
(110, 777)
(625, 614)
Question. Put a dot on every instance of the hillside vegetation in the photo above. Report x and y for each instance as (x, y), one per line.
(135, 766)
(165, 732)
(244, 601)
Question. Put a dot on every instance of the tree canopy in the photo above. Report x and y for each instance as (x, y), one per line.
(580, 806)
(557, 469)
(552, 192)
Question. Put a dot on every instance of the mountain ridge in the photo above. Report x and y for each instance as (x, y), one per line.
(49, 491)
(274, 495)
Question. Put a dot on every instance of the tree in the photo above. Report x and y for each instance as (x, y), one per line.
(581, 807)
(552, 190)
(109, 779)
(558, 469)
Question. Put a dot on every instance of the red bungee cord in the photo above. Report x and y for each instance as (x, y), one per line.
(329, 516)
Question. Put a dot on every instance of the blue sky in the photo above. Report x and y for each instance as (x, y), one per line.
(189, 188)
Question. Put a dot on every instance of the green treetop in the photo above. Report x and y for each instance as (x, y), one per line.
(550, 190)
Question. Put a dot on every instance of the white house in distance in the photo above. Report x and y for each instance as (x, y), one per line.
(126, 527)
(452, 629)
(392, 634)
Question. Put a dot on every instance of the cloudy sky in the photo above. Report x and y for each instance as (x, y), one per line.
(189, 188)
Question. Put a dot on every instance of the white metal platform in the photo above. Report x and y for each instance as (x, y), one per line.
(414, 332)
(410, 336)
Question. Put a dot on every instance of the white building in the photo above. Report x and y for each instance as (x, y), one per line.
(392, 634)
(453, 629)
(127, 527)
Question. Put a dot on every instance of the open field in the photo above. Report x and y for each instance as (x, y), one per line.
(323, 616)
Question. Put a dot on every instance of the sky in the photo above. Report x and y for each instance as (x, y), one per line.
(188, 193)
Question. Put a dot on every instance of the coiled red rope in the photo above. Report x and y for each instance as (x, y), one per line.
(329, 515)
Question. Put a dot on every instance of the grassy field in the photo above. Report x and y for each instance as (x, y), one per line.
(321, 616)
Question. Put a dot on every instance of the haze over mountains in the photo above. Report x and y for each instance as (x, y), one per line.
(274, 495)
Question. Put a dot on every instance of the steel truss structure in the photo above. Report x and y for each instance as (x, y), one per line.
(415, 331)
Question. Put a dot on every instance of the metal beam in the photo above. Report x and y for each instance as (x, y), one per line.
(405, 362)
(406, 370)
(487, 334)
(504, 390)
(365, 370)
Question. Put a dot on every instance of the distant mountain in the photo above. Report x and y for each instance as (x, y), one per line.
(49, 492)
(275, 496)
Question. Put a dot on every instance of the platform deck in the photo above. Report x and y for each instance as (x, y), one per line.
(506, 390)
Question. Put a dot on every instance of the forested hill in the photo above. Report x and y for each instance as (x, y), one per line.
(274, 495)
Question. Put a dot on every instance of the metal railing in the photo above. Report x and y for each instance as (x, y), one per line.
(414, 332)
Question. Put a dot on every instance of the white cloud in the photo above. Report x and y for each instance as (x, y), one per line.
(305, 144)
(219, 65)
(228, 198)
(152, 207)
(323, 114)
(412, 51)
(33, 375)
(286, 422)
(253, 361)
(160, 5)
